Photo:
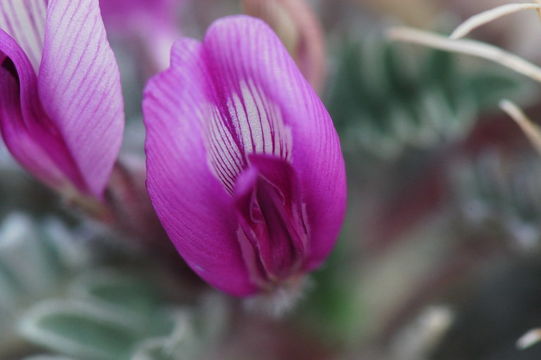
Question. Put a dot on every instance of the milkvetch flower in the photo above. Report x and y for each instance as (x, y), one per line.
(244, 166)
(150, 25)
(298, 27)
(61, 110)
(122, 13)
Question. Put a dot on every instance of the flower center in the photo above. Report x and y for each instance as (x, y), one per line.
(273, 232)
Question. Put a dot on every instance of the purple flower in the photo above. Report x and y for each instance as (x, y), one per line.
(128, 13)
(150, 25)
(61, 110)
(244, 165)
(299, 29)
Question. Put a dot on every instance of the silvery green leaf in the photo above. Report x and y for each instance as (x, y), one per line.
(23, 256)
(79, 329)
(47, 357)
(8, 293)
(181, 344)
(70, 250)
(502, 191)
(410, 99)
(131, 295)
(128, 293)
(6, 160)
(32, 267)
(212, 318)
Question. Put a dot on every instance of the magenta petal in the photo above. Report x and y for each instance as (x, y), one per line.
(24, 21)
(244, 50)
(63, 116)
(270, 212)
(27, 132)
(195, 210)
(79, 88)
(121, 15)
(244, 165)
(151, 25)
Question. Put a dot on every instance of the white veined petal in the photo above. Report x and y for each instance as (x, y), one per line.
(252, 125)
(24, 20)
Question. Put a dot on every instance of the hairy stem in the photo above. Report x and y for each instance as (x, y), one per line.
(468, 47)
(490, 15)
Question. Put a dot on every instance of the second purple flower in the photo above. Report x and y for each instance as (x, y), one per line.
(61, 107)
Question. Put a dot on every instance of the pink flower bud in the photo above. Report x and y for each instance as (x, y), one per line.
(298, 27)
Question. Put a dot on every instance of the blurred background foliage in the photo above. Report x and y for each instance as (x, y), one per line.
(440, 253)
(385, 98)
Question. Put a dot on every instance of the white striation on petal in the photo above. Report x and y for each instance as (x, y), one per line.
(24, 20)
(252, 125)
